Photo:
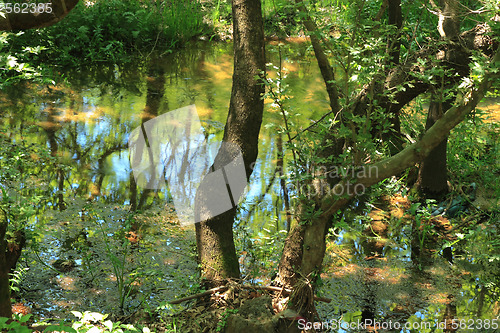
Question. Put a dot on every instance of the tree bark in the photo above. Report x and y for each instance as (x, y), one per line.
(23, 21)
(5, 305)
(286, 197)
(396, 19)
(214, 236)
(433, 172)
(449, 25)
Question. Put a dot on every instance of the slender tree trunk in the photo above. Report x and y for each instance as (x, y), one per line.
(280, 168)
(323, 63)
(396, 19)
(393, 137)
(433, 173)
(5, 306)
(214, 236)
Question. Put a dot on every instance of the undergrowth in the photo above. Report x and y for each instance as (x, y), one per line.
(112, 30)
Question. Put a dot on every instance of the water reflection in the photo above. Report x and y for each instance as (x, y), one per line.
(85, 124)
(86, 121)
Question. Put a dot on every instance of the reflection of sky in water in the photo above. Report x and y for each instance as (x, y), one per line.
(93, 126)
(173, 148)
(121, 167)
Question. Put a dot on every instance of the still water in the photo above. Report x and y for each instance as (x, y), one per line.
(85, 122)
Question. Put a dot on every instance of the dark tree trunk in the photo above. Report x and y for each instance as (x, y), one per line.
(10, 251)
(133, 192)
(214, 236)
(280, 168)
(393, 138)
(433, 173)
(323, 63)
(396, 19)
(5, 306)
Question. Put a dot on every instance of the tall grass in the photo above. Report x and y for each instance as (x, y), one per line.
(112, 30)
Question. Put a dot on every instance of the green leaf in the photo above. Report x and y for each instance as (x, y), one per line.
(77, 314)
(108, 324)
(23, 319)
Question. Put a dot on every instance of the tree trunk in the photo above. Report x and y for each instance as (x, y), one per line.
(10, 251)
(214, 236)
(433, 173)
(323, 63)
(281, 171)
(396, 19)
(5, 306)
(302, 259)
(304, 247)
(393, 138)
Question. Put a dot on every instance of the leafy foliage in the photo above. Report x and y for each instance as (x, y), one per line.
(88, 322)
(16, 66)
(473, 152)
(21, 190)
(110, 30)
(15, 326)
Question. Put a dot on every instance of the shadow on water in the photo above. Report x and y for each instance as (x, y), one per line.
(372, 274)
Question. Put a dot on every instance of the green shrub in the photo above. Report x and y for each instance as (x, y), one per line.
(473, 152)
(87, 322)
(110, 30)
(16, 61)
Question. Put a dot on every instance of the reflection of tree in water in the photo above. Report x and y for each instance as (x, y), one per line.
(86, 121)
(155, 82)
(384, 284)
(51, 126)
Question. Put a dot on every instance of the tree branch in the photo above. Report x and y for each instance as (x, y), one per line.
(413, 153)
(323, 63)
